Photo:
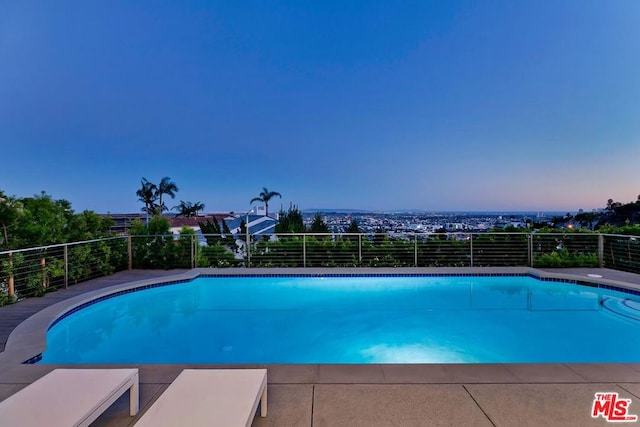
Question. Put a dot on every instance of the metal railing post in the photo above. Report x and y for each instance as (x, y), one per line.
(66, 266)
(248, 249)
(415, 249)
(12, 288)
(530, 248)
(601, 250)
(304, 250)
(129, 253)
(194, 250)
(360, 248)
(471, 248)
(43, 269)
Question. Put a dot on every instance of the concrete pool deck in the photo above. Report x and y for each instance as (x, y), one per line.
(360, 395)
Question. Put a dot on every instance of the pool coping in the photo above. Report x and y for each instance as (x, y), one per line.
(28, 339)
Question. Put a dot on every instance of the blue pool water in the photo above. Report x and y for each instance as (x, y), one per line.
(353, 320)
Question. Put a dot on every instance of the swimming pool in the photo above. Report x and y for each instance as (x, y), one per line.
(354, 319)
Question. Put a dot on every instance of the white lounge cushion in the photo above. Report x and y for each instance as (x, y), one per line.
(210, 397)
(69, 397)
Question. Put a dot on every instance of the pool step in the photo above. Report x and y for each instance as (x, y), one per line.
(623, 307)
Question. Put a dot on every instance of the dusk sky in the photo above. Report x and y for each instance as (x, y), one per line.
(433, 105)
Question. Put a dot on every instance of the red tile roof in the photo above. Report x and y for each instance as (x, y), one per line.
(193, 221)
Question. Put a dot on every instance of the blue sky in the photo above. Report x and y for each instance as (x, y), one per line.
(435, 105)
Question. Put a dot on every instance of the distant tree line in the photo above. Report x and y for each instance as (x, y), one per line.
(616, 217)
(291, 221)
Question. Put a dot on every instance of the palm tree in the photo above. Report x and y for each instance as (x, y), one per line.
(147, 195)
(196, 207)
(184, 208)
(167, 187)
(188, 209)
(264, 197)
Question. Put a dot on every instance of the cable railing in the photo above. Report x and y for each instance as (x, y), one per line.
(621, 252)
(427, 250)
(33, 272)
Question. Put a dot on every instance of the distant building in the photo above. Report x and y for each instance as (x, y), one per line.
(122, 222)
(455, 226)
(258, 225)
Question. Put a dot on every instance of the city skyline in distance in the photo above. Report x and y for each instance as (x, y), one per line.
(438, 106)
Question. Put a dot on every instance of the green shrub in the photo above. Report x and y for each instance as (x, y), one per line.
(217, 256)
(564, 259)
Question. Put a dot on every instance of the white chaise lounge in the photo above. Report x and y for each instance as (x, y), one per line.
(210, 397)
(69, 397)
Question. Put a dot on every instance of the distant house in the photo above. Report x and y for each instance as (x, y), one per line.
(258, 225)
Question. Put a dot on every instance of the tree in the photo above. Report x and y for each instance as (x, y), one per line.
(151, 195)
(441, 233)
(611, 205)
(211, 230)
(147, 195)
(243, 230)
(353, 227)
(225, 229)
(290, 221)
(41, 220)
(380, 236)
(318, 225)
(88, 225)
(45, 221)
(154, 245)
(197, 207)
(188, 209)
(167, 187)
(264, 197)
(183, 208)
(586, 219)
(10, 212)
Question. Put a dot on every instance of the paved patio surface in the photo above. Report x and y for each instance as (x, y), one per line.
(376, 395)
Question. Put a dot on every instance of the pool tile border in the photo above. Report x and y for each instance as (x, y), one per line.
(113, 295)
